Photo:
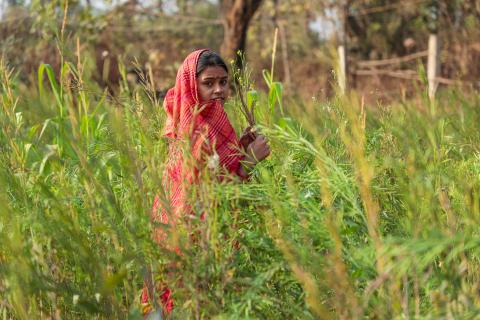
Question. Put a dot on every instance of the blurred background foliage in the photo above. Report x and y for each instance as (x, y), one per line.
(156, 35)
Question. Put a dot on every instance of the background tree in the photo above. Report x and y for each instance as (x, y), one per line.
(237, 15)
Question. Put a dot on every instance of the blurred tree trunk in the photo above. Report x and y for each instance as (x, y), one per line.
(182, 6)
(237, 15)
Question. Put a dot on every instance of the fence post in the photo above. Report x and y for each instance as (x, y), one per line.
(433, 67)
(342, 69)
(342, 50)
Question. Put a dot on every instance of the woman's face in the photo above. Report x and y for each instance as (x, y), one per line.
(212, 84)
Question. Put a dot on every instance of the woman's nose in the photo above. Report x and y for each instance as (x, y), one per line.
(218, 89)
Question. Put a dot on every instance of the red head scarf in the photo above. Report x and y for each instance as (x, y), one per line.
(187, 118)
(204, 126)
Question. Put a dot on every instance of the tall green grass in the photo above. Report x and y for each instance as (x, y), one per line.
(360, 212)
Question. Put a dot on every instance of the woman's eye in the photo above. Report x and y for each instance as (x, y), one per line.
(208, 84)
(223, 82)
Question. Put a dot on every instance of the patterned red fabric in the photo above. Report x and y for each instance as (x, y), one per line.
(165, 298)
(205, 130)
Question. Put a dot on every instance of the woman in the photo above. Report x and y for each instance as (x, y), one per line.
(196, 118)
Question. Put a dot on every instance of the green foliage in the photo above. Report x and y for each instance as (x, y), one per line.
(359, 212)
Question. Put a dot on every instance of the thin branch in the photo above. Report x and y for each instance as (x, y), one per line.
(384, 8)
(378, 63)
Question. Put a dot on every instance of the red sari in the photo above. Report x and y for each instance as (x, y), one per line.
(206, 131)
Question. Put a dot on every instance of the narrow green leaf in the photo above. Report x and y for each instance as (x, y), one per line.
(53, 83)
(267, 77)
(279, 94)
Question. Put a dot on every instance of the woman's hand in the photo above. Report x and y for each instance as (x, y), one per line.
(257, 150)
(248, 136)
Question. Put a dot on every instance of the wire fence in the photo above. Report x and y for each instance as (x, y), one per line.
(385, 67)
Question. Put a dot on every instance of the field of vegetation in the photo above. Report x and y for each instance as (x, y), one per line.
(361, 212)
